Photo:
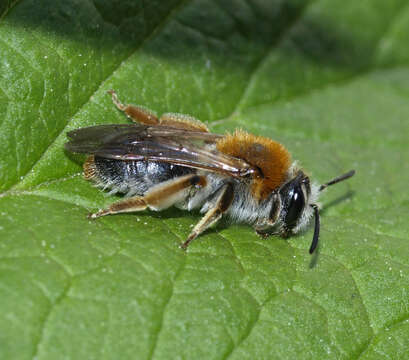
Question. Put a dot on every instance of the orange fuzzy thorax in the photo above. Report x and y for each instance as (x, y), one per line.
(269, 156)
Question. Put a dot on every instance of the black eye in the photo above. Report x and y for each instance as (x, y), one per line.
(295, 207)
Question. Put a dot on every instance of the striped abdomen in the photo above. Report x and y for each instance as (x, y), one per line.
(130, 177)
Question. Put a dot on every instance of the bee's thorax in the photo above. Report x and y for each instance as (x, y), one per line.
(269, 157)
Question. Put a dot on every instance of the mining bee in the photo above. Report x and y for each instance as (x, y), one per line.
(175, 160)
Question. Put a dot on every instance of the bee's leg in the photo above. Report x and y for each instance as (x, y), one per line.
(214, 214)
(159, 197)
(148, 117)
(136, 203)
(181, 121)
(135, 113)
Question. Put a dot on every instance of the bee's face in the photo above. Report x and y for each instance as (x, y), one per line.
(290, 207)
(294, 197)
(293, 206)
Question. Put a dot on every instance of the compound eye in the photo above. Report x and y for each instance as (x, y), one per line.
(295, 207)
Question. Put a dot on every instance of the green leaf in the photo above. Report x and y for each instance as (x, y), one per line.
(327, 78)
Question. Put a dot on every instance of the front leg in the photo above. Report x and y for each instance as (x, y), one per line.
(157, 198)
(214, 214)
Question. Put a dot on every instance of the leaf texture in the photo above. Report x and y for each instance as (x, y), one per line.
(327, 78)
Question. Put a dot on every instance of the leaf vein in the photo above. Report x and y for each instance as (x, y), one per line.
(10, 7)
(258, 64)
(155, 343)
(101, 85)
(44, 321)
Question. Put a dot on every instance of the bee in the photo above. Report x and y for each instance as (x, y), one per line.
(174, 160)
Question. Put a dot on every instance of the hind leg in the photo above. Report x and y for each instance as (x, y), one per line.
(159, 197)
(135, 113)
(145, 116)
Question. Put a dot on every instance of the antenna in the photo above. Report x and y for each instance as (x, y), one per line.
(337, 179)
(316, 236)
(316, 228)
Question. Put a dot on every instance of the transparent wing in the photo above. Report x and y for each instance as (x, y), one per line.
(193, 149)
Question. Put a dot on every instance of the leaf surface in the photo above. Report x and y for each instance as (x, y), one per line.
(327, 78)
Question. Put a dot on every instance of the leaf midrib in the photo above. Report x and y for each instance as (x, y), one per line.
(151, 34)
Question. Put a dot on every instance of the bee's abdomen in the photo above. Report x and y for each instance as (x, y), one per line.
(131, 176)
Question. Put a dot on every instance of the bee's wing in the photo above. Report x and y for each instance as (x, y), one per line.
(157, 143)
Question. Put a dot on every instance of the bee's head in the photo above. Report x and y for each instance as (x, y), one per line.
(294, 197)
(298, 203)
